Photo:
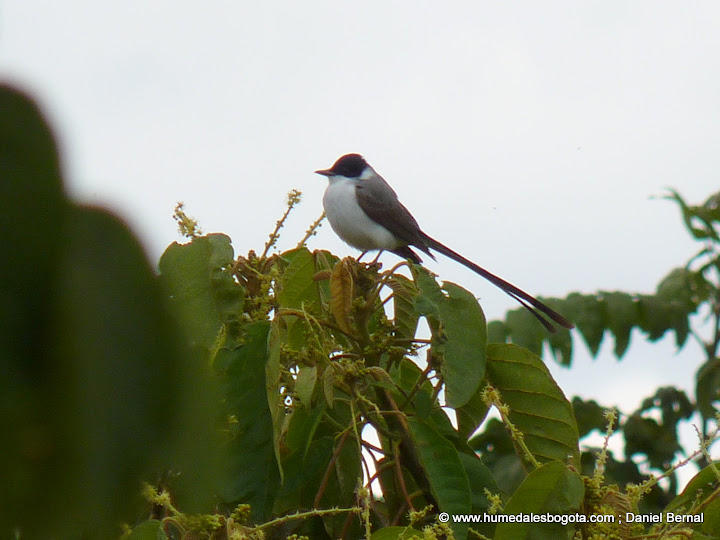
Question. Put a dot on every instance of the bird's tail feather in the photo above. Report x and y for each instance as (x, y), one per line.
(530, 303)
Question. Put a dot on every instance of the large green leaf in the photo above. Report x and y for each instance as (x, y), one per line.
(202, 292)
(32, 221)
(462, 325)
(94, 378)
(537, 405)
(553, 489)
(445, 471)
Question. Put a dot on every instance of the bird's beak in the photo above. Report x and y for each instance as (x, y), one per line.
(324, 172)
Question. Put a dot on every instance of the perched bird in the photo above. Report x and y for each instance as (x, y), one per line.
(364, 211)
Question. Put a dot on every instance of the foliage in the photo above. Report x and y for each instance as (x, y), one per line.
(326, 352)
(96, 388)
(334, 415)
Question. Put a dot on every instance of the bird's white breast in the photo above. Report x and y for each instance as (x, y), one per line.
(348, 219)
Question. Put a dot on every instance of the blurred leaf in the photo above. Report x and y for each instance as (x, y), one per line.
(525, 330)
(707, 389)
(561, 346)
(33, 214)
(623, 312)
(692, 213)
(128, 371)
(587, 313)
(677, 286)
(94, 382)
(655, 317)
(537, 405)
(32, 220)
(589, 416)
(646, 436)
(498, 332)
(554, 489)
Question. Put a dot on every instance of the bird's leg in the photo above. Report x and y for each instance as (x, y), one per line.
(375, 260)
(362, 255)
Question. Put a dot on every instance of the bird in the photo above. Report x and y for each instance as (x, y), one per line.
(365, 212)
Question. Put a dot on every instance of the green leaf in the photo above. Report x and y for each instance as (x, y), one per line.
(525, 330)
(405, 316)
(480, 479)
(253, 476)
(589, 416)
(658, 315)
(33, 213)
(537, 405)
(561, 345)
(552, 489)
(471, 414)
(32, 220)
(406, 375)
(345, 476)
(298, 290)
(121, 359)
(148, 530)
(498, 454)
(498, 332)
(622, 315)
(586, 311)
(707, 389)
(700, 487)
(445, 471)
(305, 384)
(203, 294)
(462, 323)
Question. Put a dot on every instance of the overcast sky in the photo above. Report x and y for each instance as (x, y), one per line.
(529, 136)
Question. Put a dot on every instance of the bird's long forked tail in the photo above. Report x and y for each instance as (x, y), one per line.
(533, 305)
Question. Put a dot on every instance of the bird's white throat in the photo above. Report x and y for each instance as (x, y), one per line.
(349, 221)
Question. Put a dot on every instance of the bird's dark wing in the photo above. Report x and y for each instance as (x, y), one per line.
(379, 201)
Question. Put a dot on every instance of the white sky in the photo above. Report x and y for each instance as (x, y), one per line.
(527, 135)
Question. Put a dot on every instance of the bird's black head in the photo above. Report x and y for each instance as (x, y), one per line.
(349, 166)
